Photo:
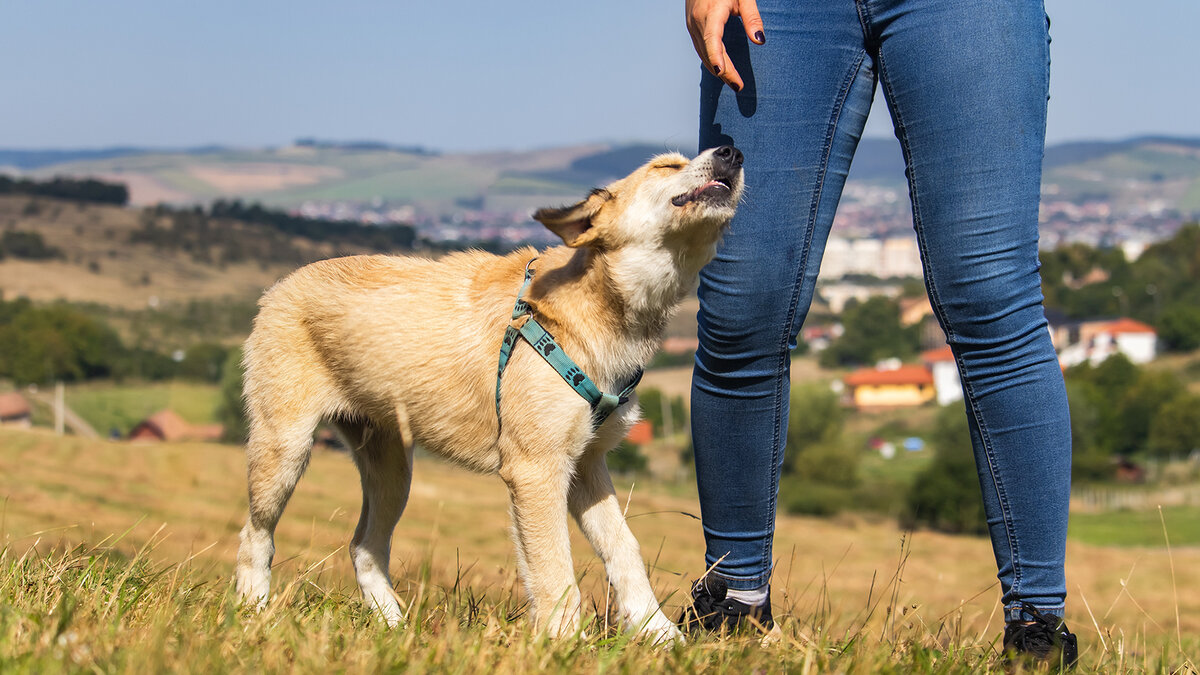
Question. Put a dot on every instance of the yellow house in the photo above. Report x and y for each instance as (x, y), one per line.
(890, 388)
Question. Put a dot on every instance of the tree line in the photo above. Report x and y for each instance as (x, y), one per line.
(75, 189)
(344, 232)
(40, 344)
(1161, 287)
(231, 232)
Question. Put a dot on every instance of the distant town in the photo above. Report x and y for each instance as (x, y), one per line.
(872, 233)
(1124, 194)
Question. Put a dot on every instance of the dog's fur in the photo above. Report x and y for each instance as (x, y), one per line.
(397, 351)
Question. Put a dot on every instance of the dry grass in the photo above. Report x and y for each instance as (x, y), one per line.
(100, 265)
(117, 557)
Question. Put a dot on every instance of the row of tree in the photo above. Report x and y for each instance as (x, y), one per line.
(1118, 411)
(40, 344)
(872, 332)
(76, 189)
(342, 232)
(231, 232)
(1161, 287)
(1121, 410)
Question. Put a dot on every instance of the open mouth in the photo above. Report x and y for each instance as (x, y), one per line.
(715, 190)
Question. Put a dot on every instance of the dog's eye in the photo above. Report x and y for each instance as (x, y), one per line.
(670, 167)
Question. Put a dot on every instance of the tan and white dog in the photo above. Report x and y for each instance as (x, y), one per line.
(399, 351)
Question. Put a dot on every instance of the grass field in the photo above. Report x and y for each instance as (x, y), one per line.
(288, 177)
(100, 265)
(106, 406)
(118, 557)
(1139, 528)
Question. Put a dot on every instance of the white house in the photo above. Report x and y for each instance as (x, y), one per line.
(1098, 340)
(945, 374)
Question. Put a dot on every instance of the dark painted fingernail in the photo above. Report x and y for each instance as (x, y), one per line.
(760, 38)
(716, 70)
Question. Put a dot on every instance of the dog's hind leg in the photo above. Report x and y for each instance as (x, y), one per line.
(277, 453)
(384, 460)
(594, 504)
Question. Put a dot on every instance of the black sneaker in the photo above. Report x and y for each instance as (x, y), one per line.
(711, 610)
(1045, 639)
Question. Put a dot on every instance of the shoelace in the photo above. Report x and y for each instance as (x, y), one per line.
(1045, 633)
(707, 595)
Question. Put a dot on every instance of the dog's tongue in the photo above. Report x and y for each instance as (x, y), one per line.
(710, 186)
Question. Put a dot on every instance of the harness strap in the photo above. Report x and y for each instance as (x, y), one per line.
(603, 404)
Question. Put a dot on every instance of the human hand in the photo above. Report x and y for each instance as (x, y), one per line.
(706, 24)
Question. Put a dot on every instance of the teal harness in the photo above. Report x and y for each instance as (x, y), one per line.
(544, 344)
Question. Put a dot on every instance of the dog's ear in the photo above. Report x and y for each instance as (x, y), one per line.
(575, 223)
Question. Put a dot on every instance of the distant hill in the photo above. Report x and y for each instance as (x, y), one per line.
(1163, 170)
(35, 159)
(151, 257)
(877, 159)
(1078, 152)
(1150, 173)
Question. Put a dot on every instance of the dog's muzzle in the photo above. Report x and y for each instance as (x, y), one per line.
(726, 169)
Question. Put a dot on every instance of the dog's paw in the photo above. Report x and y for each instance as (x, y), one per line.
(661, 631)
(253, 589)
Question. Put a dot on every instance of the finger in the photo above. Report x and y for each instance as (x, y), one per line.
(698, 45)
(752, 22)
(714, 47)
(713, 43)
(695, 30)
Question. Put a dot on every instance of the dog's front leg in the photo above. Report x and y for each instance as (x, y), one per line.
(538, 488)
(594, 504)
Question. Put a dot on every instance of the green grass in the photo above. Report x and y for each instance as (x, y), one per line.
(90, 609)
(903, 468)
(117, 557)
(112, 406)
(1138, 528)
(1190, 202)
(523, 185)
(429, 182)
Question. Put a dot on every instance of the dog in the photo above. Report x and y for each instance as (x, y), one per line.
(397, 351)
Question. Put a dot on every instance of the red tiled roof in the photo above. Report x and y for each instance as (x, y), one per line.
(13, 405)
(680, 345)
(207, 432)
(939, 354)
(641, 433)
(167, 425)
(1127, 325)
(901, 375)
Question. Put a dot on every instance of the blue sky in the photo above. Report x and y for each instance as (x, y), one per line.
(478, 74)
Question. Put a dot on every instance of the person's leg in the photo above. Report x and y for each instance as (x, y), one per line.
(967, 83)
(798, 121)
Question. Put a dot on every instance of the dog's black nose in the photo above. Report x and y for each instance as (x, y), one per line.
(728, 156)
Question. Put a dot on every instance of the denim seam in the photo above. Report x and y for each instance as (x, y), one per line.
(818, 193)
(865, 21)
(985, 438)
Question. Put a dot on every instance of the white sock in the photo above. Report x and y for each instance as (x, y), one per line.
(755, 597)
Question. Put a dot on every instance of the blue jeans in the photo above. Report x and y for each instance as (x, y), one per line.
(966, 83)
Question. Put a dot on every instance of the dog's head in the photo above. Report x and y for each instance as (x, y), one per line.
(668, 196)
